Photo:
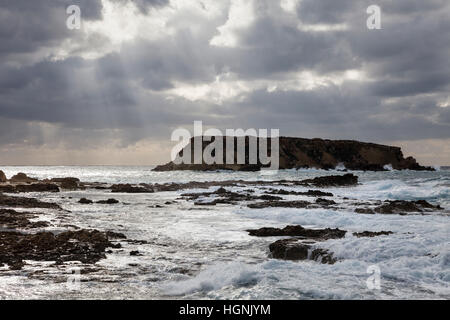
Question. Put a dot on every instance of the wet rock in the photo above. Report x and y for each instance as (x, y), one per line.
(8, 188)
(372, 233)
(3, 178)
(292, 249)
(279, 204)
(22, 177)
(109, 201)
(85, 201)
(364, 210)
(128, 188)
(135, 253)
(115, 235)
(12, 201)
(299, 231)
(33, 187)
(12, 219)
(324, 202)
(336, 181)
(309, 193)
(403, 207)
(87, 246)
(67, 183)
(37, 187)
(345, 180)
(226, 197)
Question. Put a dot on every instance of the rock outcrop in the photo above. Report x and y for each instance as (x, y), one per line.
(67, 183)
(3, 178)
(311, 153)
(298, 231)
(292, 249)
(87, 246)
(22, 177)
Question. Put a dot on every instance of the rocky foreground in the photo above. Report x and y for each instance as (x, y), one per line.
(295, 153)
(22, 238)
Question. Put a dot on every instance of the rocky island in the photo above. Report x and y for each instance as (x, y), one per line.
(295, 153)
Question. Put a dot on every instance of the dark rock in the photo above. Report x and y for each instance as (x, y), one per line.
(67, 183)
(22, 177)
(299, 231)
(85, 201)
(364, 210)
(309, 193)
(3, 178)
(324, 202)
(115, 235)
(37, 187)
(345, 180)
(292, 249)
(109, 201)
(279, 204)
(8, 188)
(403, 207)
(371, 233)
(128, 188)
(10, 201)
(12, 219)
(33, 187)
(309, 153)
(135, 253)
(87, 246)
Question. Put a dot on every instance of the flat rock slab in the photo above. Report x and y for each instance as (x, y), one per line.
(299, 231)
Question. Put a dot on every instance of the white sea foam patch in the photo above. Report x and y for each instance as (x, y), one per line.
(430, 190)
(215, 277)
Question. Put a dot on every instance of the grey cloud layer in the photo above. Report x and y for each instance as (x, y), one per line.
(406, 64)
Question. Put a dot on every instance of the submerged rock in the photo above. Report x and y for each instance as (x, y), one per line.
(109, 201)
(309, 193)
(372, 233)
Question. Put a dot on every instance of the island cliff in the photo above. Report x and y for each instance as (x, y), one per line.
(313, 153)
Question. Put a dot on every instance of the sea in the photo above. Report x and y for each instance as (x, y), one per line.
(204, 252)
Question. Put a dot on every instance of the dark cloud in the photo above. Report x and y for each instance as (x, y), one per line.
(123, 95)
(27, 26)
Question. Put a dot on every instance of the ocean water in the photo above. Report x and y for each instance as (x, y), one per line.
(204, 252)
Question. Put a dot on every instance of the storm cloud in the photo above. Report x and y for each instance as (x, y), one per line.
(138, 69)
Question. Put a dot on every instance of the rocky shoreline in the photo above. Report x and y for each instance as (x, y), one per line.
(23, 239)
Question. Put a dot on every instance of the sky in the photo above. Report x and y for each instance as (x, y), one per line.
(113, 91)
